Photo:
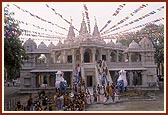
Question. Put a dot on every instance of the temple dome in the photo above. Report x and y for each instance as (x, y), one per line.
(146, 43)
(133, 45)
(51, 45)
(30, 42)
(42, 45)
(59, 43)
(111, 43)
(30, 45)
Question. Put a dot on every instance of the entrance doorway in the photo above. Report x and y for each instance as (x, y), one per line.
(87, 56)
(89, 81)
(104, 57)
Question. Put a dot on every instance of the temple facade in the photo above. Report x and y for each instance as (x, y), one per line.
(86, 50)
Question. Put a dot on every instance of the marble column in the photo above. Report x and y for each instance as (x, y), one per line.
(34, 60)
(73, 56)
(129, 58)
(131, 78)
(64, 56)
(93, 55)
(117, 56)
(48, 59)
(33, 82)
(81, 53)
(108, 56)
(100, 54)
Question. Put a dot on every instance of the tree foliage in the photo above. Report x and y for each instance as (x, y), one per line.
(14, 52)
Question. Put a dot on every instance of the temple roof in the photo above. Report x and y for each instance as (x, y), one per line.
(111, 43)
(42, 45)
(133, 45)
(51, 45)
(146, 43)
(30, 42)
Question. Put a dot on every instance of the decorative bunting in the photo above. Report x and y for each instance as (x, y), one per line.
(118, 9)
(122, 32)
(38, 27)
(60, 16)
(115, 14)
(87, 16)
(35, 34)
(35, 16)
(131, 22)
(126, 18)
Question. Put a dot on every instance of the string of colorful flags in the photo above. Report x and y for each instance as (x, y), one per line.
(43, 39)
(38, 27)
(87, 16)
(36, 16)
(115, 14)
(122, 32)
(144, 24)
(136, 20)
(119, 35)
(118, 9)
(35, 34)
(60, 16)
(126, 18)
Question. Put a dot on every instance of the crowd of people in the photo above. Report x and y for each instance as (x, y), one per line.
(77, 98)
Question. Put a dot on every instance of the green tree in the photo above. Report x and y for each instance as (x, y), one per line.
(14, 52)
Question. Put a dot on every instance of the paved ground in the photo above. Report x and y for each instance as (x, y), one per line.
(122, 105)
(132, 105)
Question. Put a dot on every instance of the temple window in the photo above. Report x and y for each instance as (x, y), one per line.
(69, 58)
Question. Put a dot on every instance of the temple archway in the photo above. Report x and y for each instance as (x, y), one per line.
(87, 56)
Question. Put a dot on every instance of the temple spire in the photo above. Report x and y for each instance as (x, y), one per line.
(71, 33)
(83, 29)
(96, 32)
(70, 20)
(95, 20)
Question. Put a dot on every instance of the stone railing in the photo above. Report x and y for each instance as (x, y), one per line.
(54, 66)
(124, 64)
(88, 65)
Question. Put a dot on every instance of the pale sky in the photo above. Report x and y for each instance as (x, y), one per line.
(103, 12)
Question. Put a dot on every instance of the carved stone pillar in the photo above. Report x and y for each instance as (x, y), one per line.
(73, 56)
(129, 55)
(117, 56)
(81, 53)
(100, 54)
(64, 56)
(108, 56)
(48, 59)
(93, 54)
